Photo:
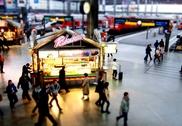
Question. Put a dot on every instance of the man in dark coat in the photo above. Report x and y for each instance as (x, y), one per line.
(99, 88)
(43, 107)
(156, 44)
(24, 83)
(62, 79)
(11, 92)
(26, 69)
(161, 43)
(148, 52)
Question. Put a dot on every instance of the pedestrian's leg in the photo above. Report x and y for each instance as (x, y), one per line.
(11, 104)
(1, 113)
(27, 95)
(15, 99)
(125, 118)
(113, 73)
(24, 94)
(102, 106)
(119, 117)
(98, 102)
(107, 107)
(150, 56)
(40, 120)
(66, 87)
(57, 103)
(50, 117)
(34, 109)
(147, 56)
(50, 103)
(158, 58)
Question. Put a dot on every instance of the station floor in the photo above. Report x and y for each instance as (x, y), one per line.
(155, 92)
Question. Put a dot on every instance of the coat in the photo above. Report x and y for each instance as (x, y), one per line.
(100, 86)
(85, 86)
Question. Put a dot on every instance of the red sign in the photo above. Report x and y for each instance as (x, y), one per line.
(64, 40)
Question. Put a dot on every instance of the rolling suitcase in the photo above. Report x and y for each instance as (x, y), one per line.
(120, 75)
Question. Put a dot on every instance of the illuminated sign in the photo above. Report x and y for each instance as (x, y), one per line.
(64, 40)
(161, 23)
(142, 22)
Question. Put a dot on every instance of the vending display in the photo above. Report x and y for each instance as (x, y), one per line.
(76, 62)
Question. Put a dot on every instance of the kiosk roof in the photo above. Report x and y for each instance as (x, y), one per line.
(49, 39)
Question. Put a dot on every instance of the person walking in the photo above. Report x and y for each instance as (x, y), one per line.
(100, 87)
(148, 52)
(5, 42)
(26, 69)
(62, 80)
(124, 109)
(54, 89)
(157, 55)
(85, 86)
(43, 107)
(1, 63)
(24, 83)
(114, 68)
(161, 52)
(36, 97)
(156, 44)
(161, 43)
(11, 92)
(105, 98)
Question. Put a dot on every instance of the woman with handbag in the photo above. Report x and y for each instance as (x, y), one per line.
(85, 86)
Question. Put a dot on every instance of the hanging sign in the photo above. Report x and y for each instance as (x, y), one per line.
(64, 40)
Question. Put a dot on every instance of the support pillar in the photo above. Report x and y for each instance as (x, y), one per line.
(92, 18)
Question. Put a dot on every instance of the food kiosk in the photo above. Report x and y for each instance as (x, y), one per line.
(76, 52)
(11, 31)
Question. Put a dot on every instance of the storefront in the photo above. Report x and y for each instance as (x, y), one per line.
(66, 48)
(11, 31)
